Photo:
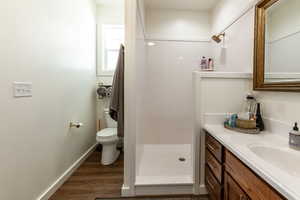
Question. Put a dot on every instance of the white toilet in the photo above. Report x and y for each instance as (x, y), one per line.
(109, 139)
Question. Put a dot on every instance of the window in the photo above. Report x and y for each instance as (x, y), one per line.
(113, 37)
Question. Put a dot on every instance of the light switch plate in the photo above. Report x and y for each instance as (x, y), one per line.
(22, 89)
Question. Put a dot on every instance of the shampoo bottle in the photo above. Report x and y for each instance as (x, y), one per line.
(210, 64)
(203, 64)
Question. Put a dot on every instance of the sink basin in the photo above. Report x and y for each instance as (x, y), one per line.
(283, 158)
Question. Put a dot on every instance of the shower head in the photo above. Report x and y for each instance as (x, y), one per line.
(217, 38)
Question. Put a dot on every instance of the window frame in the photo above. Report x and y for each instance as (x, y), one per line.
(104, 49)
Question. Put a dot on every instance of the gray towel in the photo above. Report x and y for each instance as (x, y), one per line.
(116, 108)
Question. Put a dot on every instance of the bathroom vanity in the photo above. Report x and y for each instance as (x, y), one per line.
(260, 166)
(229, 178)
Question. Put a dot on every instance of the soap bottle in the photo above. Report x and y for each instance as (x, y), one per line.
(259, 120)
(232, 120)
(210, 64)
(203, 64)
(295, 136)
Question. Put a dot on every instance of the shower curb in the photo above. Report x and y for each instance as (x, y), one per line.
(170, 189)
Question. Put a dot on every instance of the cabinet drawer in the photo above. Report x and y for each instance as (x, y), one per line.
(214, 147)
(213, 186)
(254, 186)
(214, 165)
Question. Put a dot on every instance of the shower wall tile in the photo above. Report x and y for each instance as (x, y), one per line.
(166, 96)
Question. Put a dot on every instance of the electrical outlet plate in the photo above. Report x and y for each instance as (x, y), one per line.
(22, 89)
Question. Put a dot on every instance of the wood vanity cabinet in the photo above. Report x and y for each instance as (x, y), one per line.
(214, 168)
(227, 178)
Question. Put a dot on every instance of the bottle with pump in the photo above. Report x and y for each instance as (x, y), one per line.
(294, 139)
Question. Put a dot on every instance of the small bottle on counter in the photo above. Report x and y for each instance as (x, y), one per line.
(210, 64)
(232, 120)
(203, 64)
(294, 139)
(249, 108)
(259, 121)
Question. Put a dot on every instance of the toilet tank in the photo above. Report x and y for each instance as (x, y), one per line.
(109, 121)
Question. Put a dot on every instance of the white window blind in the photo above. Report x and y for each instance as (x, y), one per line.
(113, 37)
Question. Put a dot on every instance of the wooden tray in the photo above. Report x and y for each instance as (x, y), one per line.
(241, 130)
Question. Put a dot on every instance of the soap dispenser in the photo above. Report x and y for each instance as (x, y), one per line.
(295, 136)
(259, 121)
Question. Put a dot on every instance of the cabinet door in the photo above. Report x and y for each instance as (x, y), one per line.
(232, 190)
(214, 188)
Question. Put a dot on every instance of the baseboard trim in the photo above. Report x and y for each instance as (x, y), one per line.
(126, 191)
(145, 190)
(202, 190)
(58, 183)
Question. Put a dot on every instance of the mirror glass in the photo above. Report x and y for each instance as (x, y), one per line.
(282, 42)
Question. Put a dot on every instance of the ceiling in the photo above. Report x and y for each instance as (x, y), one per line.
(201, 5)
(110, 2)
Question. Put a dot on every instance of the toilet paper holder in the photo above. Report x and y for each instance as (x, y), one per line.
(76, 124)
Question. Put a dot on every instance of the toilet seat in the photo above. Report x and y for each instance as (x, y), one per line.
(108, 134)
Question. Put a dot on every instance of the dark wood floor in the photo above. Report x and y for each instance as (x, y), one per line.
(92, 180)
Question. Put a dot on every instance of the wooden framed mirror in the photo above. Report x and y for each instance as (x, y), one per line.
(277, 39)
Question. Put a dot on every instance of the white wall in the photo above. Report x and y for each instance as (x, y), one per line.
(239, 36)
(177, 24)
(277, 105)
(50, 43)
(227, 11)
(107, 14)
(102, 104)
(236, 53)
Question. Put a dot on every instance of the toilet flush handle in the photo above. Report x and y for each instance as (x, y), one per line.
(76, 124)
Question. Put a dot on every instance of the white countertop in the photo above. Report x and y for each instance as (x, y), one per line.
(284, 180)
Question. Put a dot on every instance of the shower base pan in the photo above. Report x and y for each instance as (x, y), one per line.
(164, 169)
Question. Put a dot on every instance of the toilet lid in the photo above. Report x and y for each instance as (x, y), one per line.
(107, 133)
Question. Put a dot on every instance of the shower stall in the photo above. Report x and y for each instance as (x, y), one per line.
(169, 46)
(165, 112)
